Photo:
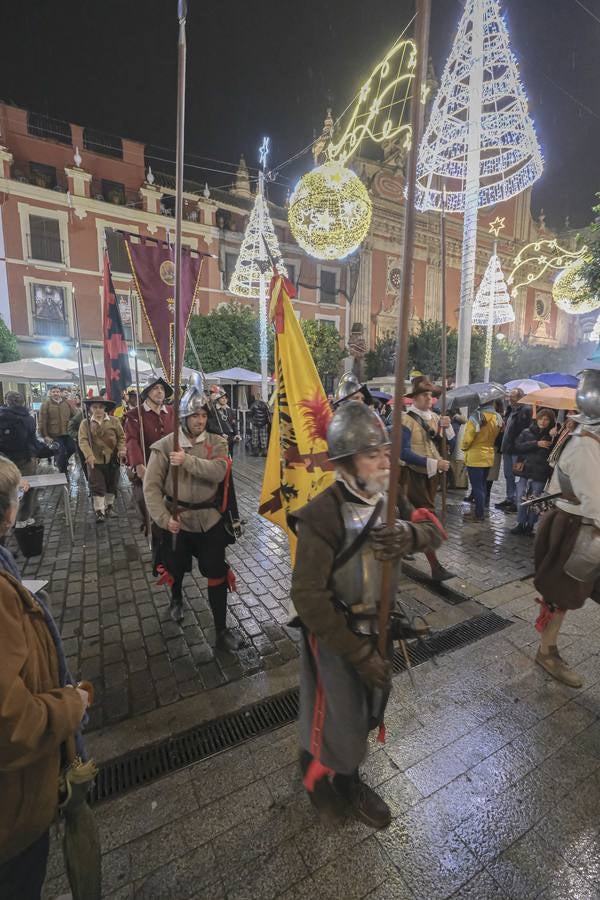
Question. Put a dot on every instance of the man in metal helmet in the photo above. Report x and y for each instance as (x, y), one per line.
(336, 588)
(350, 388)
(197, 519)
(567, 545)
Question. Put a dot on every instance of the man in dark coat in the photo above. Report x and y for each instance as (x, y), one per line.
(336, 587)
(19, 443)
(157, 421)
(533, 449)
(517, 419)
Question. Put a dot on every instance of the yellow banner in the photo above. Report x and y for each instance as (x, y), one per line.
(297, 466)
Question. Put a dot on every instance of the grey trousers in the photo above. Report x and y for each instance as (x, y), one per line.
(346, 724)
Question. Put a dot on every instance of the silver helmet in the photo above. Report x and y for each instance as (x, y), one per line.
(347, 387)
(195, 398)
(355, 428)
(588, 397)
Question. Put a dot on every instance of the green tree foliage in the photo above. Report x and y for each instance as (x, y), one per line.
(425, 350)
(591, 271)
(380, 361)
(325, 345)
(228, 336)
(9, 350)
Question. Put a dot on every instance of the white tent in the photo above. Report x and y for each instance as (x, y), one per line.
(237, 375)
(33, 371)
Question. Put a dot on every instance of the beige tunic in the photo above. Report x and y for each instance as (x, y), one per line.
(205, 467)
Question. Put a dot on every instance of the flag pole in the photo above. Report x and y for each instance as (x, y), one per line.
(388, 588)
(444, 355)
(95, 369)
(181, 65)
(84, 406)
(132, 313)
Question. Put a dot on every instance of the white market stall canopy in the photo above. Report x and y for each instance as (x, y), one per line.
(237, 375)
(32, 370)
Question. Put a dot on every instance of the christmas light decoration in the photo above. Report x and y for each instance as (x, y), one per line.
(379, 108)
(259, 255)
(330, 211)
(571, 292)
(539, 256)
(479, 147)
(492, 306)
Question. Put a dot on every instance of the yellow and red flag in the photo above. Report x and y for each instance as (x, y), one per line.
(297, 467)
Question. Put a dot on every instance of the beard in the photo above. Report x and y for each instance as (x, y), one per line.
(376, 484)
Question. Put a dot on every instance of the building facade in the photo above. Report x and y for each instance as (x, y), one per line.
(67, 192)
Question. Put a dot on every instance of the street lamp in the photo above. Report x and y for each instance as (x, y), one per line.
(55, 348)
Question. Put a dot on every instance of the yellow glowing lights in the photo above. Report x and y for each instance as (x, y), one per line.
(330, 212)
(571, 292)
(380, 104)
(538, 257)
(497, 225)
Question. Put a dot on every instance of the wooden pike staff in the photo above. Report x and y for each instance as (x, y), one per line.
(181, 65)
(84, 407)
(423, 15)
(132, 313)
(444, 354)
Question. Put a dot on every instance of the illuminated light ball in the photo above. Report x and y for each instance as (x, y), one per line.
(571, 292)
(330, 212)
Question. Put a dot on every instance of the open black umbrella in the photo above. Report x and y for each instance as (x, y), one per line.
(474, 395)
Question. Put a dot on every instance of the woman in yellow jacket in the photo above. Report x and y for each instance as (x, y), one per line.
(480, 436)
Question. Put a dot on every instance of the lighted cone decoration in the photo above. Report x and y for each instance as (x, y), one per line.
(253, 258)
(492, 306)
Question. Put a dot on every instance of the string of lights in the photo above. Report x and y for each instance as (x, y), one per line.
(571, 292)
(537, 258)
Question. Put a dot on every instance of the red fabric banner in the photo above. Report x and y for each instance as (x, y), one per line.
(154, 275)
(116, 357)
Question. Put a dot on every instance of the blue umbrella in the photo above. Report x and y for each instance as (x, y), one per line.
(380, 395)
(557, 379)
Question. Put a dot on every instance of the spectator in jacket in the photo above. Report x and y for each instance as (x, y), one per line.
(55, 413)
(40, 711)
(478, 443)
(260, 421)
(494, 472)
(517, 419)
(19, 443)
(222, 419)
(533, 448)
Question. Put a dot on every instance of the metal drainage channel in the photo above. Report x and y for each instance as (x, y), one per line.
(141, 767)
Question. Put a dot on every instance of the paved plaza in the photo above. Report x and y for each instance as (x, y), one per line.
(491, 768)
(115, 622)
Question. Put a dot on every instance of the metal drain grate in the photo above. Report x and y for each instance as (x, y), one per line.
(140, 767)
(451, 638)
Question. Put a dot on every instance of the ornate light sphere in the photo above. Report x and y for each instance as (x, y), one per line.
(571, 292)
(330, 212)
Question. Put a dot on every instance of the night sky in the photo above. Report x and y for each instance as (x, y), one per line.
(273, 67)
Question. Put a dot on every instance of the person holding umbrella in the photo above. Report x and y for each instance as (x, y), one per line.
(533, 447)
(478, 444)
(517, 419)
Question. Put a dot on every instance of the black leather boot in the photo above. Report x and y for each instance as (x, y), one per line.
(362, 801)
(227, 639)
(325, 798)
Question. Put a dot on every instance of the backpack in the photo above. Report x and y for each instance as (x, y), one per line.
(14, 436)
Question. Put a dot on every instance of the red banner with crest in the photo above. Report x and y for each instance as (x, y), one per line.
(153, 272)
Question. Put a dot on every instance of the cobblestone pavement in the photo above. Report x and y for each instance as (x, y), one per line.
(115, 620)
(492, 770)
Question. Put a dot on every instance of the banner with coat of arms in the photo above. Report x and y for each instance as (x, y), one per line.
(297, 466)
(153, 272)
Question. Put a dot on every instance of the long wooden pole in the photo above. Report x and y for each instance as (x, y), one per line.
(96, 370)
(388, 588)
(133, 313)
(444, 359)
(84, 406)
(181, 66)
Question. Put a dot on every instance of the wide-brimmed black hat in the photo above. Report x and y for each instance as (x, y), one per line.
(108, 405)
(153, 380)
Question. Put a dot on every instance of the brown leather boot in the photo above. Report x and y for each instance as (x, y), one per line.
(325, 798)
(555, 665)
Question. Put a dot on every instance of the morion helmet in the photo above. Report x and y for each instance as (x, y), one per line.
(588, 397)
(195, 399)
(355, 428)
(152, 381)
(348, 386)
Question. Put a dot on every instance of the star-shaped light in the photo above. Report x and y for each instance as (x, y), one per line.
(497, 225)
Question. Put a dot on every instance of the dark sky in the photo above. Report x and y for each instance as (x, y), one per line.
(271, 67)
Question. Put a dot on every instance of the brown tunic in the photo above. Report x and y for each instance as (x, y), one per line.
(554, 542)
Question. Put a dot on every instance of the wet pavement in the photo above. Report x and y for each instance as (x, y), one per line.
(491, 768)
(115, 620)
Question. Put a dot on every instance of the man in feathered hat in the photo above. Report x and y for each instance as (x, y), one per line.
(157, 421)
(102, 443)
(336, 587)
(567, 544)
(420, 458)
(197, 519)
